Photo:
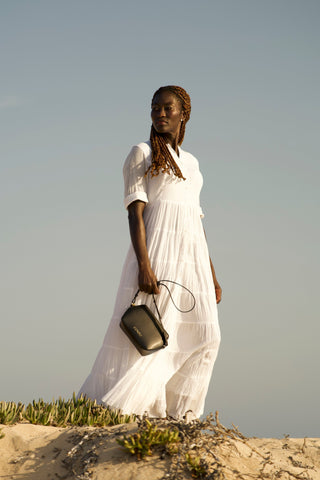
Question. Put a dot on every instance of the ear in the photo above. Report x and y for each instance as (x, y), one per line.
(183, 116)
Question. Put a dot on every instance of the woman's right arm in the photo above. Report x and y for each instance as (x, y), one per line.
(147, 279)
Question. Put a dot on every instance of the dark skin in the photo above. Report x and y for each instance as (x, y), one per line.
(166, 116)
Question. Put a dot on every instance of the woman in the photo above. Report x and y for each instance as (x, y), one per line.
(162, 187)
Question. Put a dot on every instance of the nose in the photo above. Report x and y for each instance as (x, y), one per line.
(161, 112)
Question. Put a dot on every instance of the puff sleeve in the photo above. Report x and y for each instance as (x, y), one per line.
(135, 182)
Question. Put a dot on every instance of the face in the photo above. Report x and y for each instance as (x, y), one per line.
(166, 114)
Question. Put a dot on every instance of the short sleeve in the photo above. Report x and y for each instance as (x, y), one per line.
(135, 182)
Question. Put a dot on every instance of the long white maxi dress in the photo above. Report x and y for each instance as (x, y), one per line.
(173, 380)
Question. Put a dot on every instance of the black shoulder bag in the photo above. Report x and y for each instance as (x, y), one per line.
(145, 331)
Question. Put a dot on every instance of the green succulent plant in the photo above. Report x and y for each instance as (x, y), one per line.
(10, 412)
(197, 466)
(80, 411)
(147, 437)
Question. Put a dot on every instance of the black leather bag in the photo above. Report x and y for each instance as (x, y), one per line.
(145, 331)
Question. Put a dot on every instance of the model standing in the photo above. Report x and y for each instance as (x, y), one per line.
(162, 187)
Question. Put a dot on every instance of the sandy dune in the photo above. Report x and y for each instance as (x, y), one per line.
(33, 452)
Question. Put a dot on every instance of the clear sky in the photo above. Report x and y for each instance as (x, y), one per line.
(76, 82)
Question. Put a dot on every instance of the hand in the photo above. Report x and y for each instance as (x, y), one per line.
(148, 281)
(218, 290)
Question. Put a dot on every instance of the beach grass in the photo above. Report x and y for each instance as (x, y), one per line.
(80, 411)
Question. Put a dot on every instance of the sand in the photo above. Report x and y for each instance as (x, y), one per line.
(35, 452)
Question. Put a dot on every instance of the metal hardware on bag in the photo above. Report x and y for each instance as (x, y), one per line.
(138, 331)
(134, 299)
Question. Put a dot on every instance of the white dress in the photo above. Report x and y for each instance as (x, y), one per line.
(175, 379)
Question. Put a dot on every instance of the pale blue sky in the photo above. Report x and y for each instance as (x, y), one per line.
(77, 78)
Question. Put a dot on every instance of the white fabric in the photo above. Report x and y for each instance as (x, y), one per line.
(175, 379)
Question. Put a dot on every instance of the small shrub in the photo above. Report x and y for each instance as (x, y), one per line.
(147, 437)
(197, 466)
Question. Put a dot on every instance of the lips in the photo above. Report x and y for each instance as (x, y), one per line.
(161, 122)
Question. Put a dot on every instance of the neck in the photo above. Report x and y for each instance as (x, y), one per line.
(173, 141)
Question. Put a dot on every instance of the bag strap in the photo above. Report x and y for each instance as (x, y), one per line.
(154, 301)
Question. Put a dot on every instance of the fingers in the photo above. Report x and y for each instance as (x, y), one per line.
(148, 283)
(150, 288)
(218, 294)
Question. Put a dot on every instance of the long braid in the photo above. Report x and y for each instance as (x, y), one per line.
(162, 160)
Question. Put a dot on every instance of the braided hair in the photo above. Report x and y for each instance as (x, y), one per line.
(162, 160)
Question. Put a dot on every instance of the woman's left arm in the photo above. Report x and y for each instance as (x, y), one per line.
(217, 287)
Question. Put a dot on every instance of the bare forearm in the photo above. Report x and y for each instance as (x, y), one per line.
(138, 239)
(217, 287)
(213, 272)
